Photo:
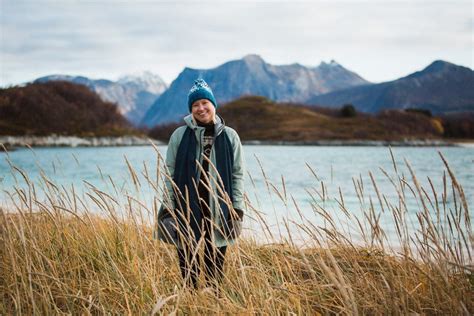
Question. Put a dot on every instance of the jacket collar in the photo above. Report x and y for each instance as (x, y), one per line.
(218, 127)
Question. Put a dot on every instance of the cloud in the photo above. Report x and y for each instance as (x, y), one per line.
(380, 40)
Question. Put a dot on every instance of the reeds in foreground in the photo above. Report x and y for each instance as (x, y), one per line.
(93, 253)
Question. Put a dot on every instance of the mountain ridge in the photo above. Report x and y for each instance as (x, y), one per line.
(251, 75)
(440, 87)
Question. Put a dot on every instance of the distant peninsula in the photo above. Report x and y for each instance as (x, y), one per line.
(259, 120)
(60, 113)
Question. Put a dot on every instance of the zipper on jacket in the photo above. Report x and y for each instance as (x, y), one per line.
(198, 176)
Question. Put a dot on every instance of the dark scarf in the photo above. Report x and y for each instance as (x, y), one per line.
(185, 177)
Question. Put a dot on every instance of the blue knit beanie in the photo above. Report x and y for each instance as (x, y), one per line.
(200, 90)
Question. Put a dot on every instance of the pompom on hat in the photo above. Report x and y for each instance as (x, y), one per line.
(200, 90)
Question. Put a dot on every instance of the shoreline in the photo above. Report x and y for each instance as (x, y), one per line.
(12, 142)
(361, 143)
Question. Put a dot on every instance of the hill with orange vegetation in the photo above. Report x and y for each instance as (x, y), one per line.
(59, 107)
(258, 118)
(262, 119)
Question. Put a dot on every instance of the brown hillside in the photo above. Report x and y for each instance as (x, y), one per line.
(58, 107)
(257, 118)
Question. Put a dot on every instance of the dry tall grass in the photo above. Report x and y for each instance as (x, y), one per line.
(58, 256)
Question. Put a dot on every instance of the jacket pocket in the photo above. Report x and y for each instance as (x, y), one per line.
(168, 226)
(234, 227)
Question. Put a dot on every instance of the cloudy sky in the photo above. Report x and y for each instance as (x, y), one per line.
(380, 40)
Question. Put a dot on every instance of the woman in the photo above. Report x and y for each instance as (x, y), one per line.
(203, 201)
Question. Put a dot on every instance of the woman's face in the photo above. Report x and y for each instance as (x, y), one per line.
(203, 111)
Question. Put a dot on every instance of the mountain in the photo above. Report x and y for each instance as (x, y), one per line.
(134, 94)
(59, 107)
(251, 75)
(442, 87)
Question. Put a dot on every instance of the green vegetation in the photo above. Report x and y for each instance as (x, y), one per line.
(59, 107)
(348, 110)
(93, 254)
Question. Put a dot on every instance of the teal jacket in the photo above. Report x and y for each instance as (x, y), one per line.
(165, 223)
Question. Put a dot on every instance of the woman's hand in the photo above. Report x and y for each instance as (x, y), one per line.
(234, 223)
(240, 213)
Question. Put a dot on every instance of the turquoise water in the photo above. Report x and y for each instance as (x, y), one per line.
(285, 167)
